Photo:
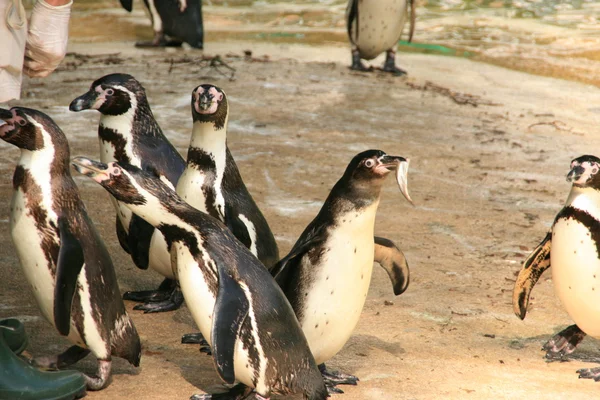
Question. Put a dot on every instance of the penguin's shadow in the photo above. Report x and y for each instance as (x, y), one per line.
(363, 344)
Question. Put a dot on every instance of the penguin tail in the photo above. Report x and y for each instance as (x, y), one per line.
(314, 386)
(125, 341)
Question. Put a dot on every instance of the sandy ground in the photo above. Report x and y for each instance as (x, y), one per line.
(486, 181)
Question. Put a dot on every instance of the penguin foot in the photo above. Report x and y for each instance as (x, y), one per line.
(237, 392)
(102, 379)
(563, 343)
(194, 338)
(174, 301)
(163, 293)
(390, 64)
(589, 373)
(358, 65)
(333, 378)
(332, 389)
(159, 40)
(206, 349)
(394, 70)
(63, 360)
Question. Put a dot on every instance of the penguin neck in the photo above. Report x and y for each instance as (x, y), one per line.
(212, 140)
(585, 199)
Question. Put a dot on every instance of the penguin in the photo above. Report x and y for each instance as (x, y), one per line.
(572, 248)
(232, 297)
(327, 273)
(211, 181)
(60, 251)
(173, 22)
(129, 133)
(375, 26)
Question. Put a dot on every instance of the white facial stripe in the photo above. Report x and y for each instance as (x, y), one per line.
(122, 124)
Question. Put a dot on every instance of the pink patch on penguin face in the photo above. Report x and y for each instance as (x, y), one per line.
(207, 102)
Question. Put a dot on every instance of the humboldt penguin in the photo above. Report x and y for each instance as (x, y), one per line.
(375, 26)
(173, 22)
(211, 181)
(327, 273)
(572, 248)
(251, 327)
(60, 251)
(129, 133)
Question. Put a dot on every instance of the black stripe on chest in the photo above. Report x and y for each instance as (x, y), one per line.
(22, 179)
(174, 233)
(205, 162)
(117, 141)
(584, 218)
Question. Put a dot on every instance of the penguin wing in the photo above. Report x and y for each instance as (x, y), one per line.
(236, 226)
(310, 238)
(138, 241)
(392, 259)
(122, 235)
(160, 158)
(413, 20)
(352, 18)
(68, 267)
(231, 308)
(127, 4)
(533, 267)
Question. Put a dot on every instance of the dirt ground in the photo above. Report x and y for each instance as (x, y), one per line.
(487, 178)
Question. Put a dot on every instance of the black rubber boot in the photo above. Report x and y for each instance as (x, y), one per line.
(21, 381)
(13, 331)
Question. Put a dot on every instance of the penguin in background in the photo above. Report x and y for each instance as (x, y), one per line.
(375, 26)
(129, 133)
(173, 22)
(62, 255)
(239, 308)
(572, 249)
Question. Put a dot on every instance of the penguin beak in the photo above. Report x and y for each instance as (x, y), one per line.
(400, 164)
(575, 173)
(84, 102)
(96, 170)
(205, 101)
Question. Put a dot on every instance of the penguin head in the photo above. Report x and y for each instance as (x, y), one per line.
(114, 94)
(584, 172)
(367, 171)
(209, 104)
(115, 178)
(25, 128)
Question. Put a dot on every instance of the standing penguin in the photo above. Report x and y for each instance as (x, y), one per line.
(211, 181)
(237, 305)
(62, 255)
(327, 273)
(173, 22)
(129, 134)
(572, 248)
(375, 26)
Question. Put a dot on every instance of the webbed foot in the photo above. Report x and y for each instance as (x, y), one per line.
(390, 64)
(159, 40)
(334, 378)
(194, 338)
(357, 64)
(589, 373)
(563, 343)
(163, 293)
(174, 301)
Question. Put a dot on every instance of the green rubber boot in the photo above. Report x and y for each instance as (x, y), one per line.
(13, 331)
(21, 381)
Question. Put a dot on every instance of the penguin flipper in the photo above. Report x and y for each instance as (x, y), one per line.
(231, 308)
(122, 235)
(68, 267)
(533, 267)
(311, 237)
(127, 4)
(352, 18)
(236, 226)
(392, 259)
(140, 235)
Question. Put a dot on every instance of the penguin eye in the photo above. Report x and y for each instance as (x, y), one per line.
(595, 169)
(109, 92)
(369, 163)
(22, 122)
(116, 171)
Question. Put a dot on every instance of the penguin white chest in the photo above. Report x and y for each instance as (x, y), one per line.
(576, 273)
(189, 188)
(380, 25)
(335, 299)
(35, 265)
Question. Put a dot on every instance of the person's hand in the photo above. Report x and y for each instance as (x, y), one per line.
(47, 38)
